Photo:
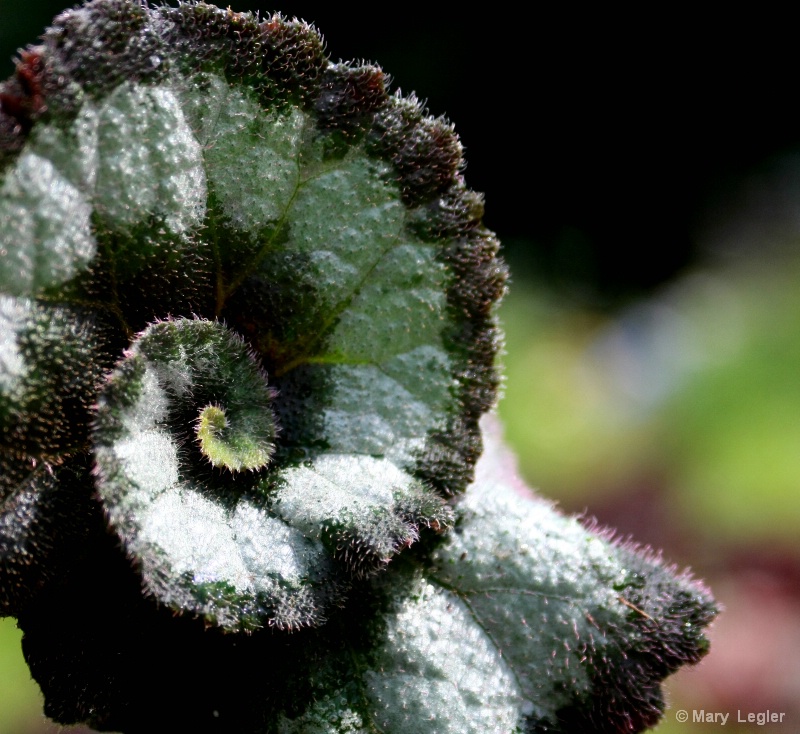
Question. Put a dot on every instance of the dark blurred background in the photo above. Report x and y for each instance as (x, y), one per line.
(642, 169)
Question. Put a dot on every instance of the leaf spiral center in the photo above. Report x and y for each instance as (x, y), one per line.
(238, 445)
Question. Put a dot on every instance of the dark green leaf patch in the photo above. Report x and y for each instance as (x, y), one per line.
(46, 515)
(51, 363)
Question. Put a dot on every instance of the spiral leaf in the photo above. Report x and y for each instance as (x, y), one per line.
(247, 334)
(348, 262)
(202, 544)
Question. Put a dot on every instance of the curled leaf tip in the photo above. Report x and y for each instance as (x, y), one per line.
(233, 447)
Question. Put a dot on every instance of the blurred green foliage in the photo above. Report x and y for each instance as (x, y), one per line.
(21, 701)
(696, 385)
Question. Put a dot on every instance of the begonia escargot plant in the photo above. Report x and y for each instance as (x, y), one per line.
(247, 337)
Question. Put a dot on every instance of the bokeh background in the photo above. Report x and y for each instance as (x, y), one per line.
(642, 169)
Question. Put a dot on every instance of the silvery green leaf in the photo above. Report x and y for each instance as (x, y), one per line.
(524, 621)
